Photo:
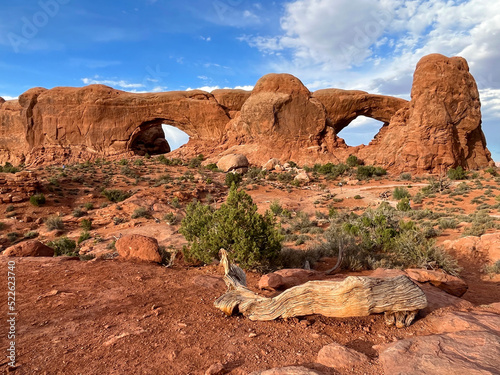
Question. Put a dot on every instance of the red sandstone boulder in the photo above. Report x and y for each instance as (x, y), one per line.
(136, 247)
(450, 284)
(487, 244)
(459, 353)
(338, 356)
(31, 248)
(232, 162)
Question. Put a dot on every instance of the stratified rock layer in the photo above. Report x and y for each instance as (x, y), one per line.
(439, 128)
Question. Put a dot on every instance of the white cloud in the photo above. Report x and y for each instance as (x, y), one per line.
(212, 88)
(110, 82)
(7, 97)
(374, 45)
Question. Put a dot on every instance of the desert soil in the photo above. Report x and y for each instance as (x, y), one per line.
(117, 317)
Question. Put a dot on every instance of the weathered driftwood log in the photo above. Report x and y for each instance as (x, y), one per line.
(397, 297)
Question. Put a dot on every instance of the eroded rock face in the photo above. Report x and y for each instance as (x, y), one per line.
(280, 118)
(440, 127)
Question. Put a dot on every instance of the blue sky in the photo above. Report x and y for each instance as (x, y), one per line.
(160, 45)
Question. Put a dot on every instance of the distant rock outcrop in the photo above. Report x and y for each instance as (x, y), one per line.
(280, 118)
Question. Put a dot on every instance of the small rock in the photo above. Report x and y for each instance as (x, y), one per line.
(338, 356)
(302, 177)
(253, 334)
(216, 369)
(450, 284)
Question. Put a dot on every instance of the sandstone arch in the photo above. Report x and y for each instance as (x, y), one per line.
(439, 128)
(343, 106)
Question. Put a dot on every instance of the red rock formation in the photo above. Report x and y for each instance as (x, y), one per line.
(441, 126)
(343, 106)
(280, 118)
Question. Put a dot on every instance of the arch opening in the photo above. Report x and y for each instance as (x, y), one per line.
(174, 136)
(149, 138)
(361, 131)
(156, 137)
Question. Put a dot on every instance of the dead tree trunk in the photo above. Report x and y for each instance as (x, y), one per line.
(397, 297)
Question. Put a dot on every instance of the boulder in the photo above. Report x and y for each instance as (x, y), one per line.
(450, 284)
(232, 162)
(459, 353)
(271, 164)
(487, 244)
(302, 177)
(456, 321)
(136, 247)
(30, 248)
(338, 356)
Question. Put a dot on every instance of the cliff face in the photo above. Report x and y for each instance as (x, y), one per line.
(439, 128)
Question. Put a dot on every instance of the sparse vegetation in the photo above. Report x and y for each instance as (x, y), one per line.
(37, 199)
(63, 246)
(233, 178)
(141, 212)
(400, 192)
(115, 195)
(253, 240)
(54, 223)
(457, 173)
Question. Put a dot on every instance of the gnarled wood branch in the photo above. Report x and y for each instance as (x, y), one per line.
(397, 297)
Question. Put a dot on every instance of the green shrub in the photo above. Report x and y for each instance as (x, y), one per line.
(170, 218)
(379, 238)
(352, 161)
(196, 162)
(140, 212)
(10, 208)
(252, 240)
(405, 176)
(457, 173)
(492, 171)
(37, 200)
(115, 195)
(447, 223)
(139, 162)
(89, 206)
(358, 197)
(493, 269)
(8, 168)
(86, 224)
(366, 171)
(31, 234)
(276, 208)
(63, 246)
(400, 192)
(233, 178)
(212, 167)
(12, 236)
(403, 205)
(84, 235)
(78, 212)
(54, 223)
